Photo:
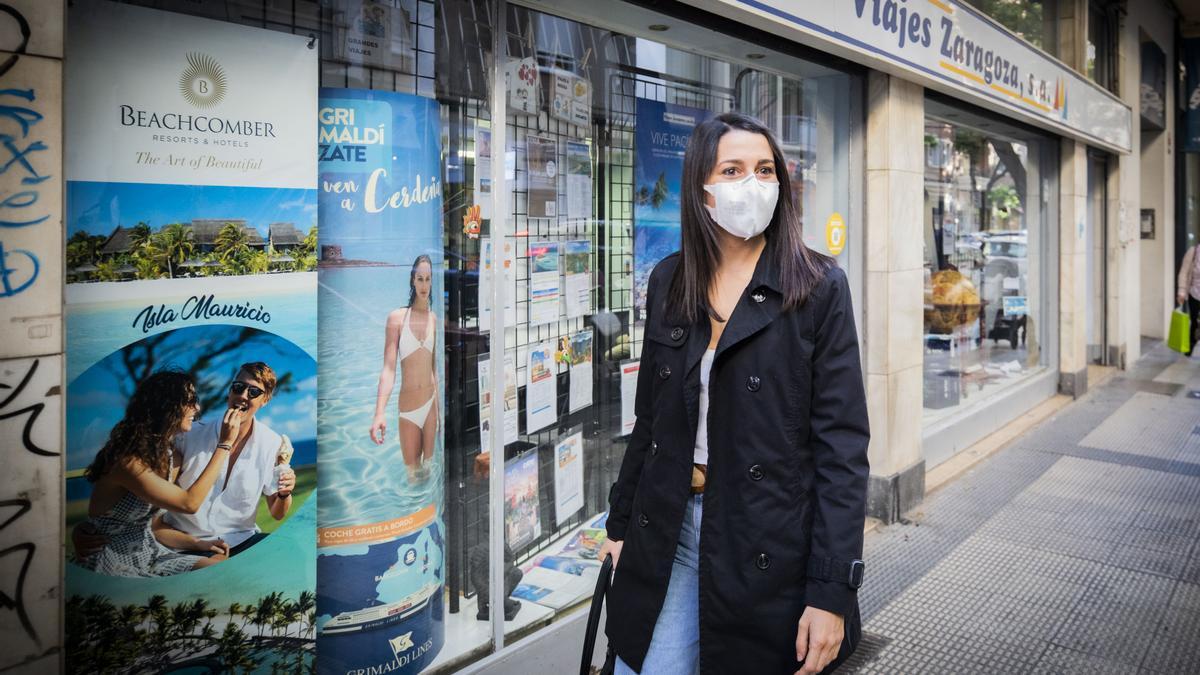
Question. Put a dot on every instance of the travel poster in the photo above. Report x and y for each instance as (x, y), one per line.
(190, 299)
(522, 522)
(381, 536)
(661, 136)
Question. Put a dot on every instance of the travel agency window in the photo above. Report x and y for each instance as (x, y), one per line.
(990, 296)
(455, 277)
(601, 102)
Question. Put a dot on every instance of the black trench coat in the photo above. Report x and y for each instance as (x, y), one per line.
(786, 490)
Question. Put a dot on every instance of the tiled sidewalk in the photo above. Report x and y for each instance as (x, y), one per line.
(1073, 550)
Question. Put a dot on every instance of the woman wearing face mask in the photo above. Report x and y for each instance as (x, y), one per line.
(411, 339)
(735, 524)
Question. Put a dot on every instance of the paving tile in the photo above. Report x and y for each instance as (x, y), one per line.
(1064, 661)
(1051, 556)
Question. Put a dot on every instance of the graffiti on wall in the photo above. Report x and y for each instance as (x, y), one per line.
(30, 334)
(30, 548)
(30, 188)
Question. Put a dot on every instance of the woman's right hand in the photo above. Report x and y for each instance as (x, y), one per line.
(215, 546)
(378, 429)
(231, 423)
(611, 547)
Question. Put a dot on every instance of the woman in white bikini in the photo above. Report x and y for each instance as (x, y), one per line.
(410, 339)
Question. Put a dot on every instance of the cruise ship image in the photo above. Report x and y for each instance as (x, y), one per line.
(380, 615)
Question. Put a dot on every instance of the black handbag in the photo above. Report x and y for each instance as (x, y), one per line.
(593, 623)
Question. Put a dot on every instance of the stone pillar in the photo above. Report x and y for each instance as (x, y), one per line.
(1124, 192)
(31, 342)
(1072, 269)
(894, 292)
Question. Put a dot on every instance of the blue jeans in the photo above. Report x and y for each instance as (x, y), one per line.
(675, 646)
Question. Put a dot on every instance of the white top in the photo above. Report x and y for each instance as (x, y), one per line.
(229, 510)
(700, 455)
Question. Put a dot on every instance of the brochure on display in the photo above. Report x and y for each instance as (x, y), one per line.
(541, 394)
(568, 477)
(579, 356)
(544, 282)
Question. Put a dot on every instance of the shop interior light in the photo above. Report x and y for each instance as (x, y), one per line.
(755, 56)
(659, 27)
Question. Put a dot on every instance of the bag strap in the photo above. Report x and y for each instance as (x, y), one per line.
(593, 622)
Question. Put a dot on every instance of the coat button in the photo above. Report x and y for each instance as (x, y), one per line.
(643, 520)
(664, 372)
(756, 472)
(759, 296)
(763, 562)
(753, 383)
(654, 447)
(677, 333)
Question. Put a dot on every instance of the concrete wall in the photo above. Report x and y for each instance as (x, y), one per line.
(31, 345)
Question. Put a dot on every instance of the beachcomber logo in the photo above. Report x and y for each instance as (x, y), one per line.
(203, 81)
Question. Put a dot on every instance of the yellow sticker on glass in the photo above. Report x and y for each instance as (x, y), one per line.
(835, 234)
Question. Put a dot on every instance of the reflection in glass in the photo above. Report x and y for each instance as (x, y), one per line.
(983, 207)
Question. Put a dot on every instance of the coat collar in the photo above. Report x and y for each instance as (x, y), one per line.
(758, 306)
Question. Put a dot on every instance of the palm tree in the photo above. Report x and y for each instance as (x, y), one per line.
(106, 270)
(174, 244)
(258, 262)
(232, 241)
(305, 604)
(147, 267)
(139, 237)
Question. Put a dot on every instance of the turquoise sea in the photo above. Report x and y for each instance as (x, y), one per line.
(361, 482)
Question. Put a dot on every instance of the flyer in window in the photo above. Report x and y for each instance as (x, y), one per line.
(508, 260)
(579, 180)
(522, 81)
(522, 523)
(568, 477)
(580, 359)
(485, 401)
(581, 102)
(541, 395)
(577, 265)
(629, 376)
(542, 198)
(483, 169)
(544, 289)
(562, 95)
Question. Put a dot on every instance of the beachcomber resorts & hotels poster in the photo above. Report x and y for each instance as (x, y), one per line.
(381, 538)
(190, 298)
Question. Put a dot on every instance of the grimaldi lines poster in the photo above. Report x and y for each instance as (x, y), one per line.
(381, 537)
(191, 341)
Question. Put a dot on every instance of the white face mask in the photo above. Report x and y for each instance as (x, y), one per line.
(744, 208)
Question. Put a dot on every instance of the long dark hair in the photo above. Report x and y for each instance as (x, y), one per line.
(800, 268)
(412, 279)
(152, 418)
